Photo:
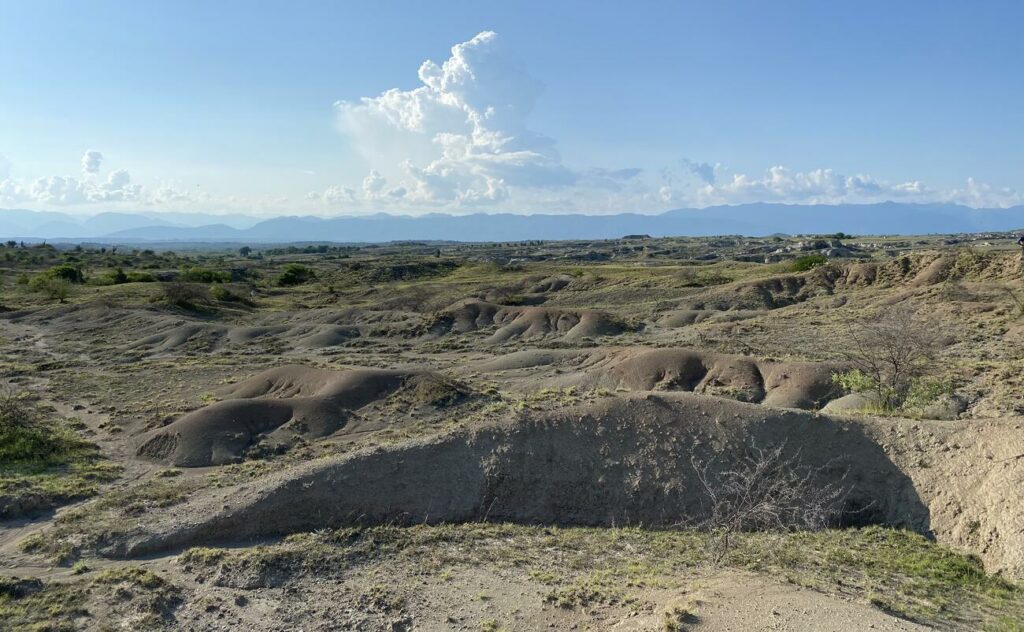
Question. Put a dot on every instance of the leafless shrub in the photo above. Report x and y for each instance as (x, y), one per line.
(893, 349)
(768, 490)
(16, 409)
(1016, 299)
(184, 295)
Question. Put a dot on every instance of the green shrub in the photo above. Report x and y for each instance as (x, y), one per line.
(855, 381)
(226, 294)
(140, 277)
(52, 287)
(926, 390)
(197, 274)
(68, 272)
(295, 274)
(808, 262)
(115, 276)
(923, 390)
(26, 437)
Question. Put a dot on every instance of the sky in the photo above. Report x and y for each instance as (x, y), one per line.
(347, 108)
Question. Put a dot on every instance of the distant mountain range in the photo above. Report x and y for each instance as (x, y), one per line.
(747, 219)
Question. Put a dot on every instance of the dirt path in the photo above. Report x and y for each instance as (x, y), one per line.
(740, 602)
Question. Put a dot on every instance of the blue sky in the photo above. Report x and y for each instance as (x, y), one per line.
(323, 108)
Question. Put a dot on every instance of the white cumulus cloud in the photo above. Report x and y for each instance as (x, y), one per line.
(818, 186)
(61, 190)
(91, 161)
(460, 137)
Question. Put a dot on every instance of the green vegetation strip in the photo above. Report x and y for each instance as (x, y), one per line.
(897, 571)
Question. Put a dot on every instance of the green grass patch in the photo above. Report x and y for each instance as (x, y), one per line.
(898, 571)
(130, 597)
(808, 262)
(44, 463)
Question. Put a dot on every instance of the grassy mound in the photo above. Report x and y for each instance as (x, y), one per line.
(130, 596)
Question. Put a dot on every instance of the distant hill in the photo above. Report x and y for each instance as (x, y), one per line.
(26, 224)
(747, 219)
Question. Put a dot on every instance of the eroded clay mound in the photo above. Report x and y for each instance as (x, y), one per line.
(628, 460)
(806, 385)
(765, 294)
(618, 461)
(516, 322)
(275, 409)
(748, 297)
(173, 337)
(685, 317)
(156, 331)
(532, 358)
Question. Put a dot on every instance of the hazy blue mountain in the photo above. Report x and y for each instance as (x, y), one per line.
(106, 223)
(25, 223)
(746, 219)
(21, 223)
(234, 220)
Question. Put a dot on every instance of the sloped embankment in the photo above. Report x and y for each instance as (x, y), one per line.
(619, 461)
(628, 460)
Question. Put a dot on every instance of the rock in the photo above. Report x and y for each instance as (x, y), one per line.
(854, 402)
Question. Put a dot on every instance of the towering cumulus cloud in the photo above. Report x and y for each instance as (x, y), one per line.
(91, 161)
(460, 136)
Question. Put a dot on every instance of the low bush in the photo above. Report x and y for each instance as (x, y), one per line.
(68, 272)
(295, 274)
(227, 294)
(43, 463)
(140, 277)
(808, 262)
(24, 437)
(922, 391)
(190, 296)
(197, 274)
(54, 288)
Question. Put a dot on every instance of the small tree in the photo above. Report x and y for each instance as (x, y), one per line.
(54, 288)
(892, 350)
(244, 251)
